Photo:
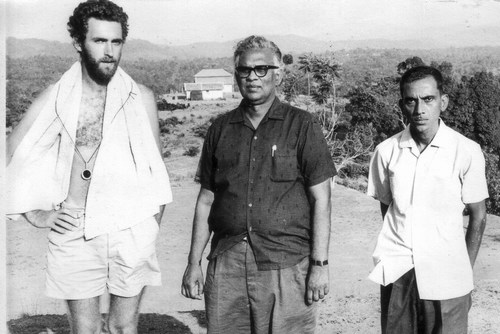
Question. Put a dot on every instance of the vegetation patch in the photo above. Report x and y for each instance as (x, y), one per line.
(353, 94)
(58, 324)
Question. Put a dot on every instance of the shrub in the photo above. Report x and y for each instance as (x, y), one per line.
(201, 130)
(192, 151)
(354, 170)
(493, 180)
(172, 121)
(164, 129)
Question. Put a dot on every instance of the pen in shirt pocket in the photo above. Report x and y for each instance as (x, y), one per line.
(273, 149)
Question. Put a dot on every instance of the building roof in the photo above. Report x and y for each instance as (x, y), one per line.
(213, 72)
(190, 86)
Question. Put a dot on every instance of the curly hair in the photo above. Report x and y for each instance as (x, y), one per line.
(98, 9)
(256, 42)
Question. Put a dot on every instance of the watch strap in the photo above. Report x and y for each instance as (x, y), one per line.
(319, 263)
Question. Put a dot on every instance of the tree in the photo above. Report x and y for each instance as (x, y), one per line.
(367, 108)
(409, 63)
(474, 108)
(289, 84)
(306, 67)
(486, 98)
(288, 59)
(325, 71)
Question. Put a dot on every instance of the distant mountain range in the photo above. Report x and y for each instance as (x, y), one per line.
(136, 49)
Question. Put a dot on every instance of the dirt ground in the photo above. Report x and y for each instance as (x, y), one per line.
(351, 307)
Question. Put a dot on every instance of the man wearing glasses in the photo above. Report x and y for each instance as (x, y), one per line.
(265, 176)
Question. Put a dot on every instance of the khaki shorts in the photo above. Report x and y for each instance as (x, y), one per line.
(123, 262)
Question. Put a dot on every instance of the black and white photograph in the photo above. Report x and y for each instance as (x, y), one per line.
(250, 166)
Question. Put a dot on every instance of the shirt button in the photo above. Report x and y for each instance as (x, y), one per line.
(253, 159)
(251, 181)
(250, 205)
(255, 137)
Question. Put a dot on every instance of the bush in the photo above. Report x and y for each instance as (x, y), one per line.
(164, 129)
(192, 151)
(354, 170)
(201, 130)
(168, 123)
(493, 180)
(172, 121)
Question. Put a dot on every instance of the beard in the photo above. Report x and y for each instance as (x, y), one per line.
(102, 76)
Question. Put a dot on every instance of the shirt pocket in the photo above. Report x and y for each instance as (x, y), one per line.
(284, 166)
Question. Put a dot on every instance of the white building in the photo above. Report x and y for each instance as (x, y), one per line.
(210, 84)
(204, 91)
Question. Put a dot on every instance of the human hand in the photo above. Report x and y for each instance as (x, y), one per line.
(61, 221)
(192, 282)
(318, 283)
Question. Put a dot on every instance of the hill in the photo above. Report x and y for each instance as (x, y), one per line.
(137, 48)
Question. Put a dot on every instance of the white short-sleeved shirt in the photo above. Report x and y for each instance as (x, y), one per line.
(423, 226)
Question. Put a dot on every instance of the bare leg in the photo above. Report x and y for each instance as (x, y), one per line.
(84, 316)
(124, 314)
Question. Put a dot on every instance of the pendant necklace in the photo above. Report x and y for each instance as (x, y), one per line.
(87, 173)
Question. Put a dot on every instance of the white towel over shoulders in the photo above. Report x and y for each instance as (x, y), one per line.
(129, 180)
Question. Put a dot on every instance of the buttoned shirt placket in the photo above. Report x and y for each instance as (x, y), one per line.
(422, 164)
(253, 160)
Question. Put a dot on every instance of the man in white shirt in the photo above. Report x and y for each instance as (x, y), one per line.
(424, 177)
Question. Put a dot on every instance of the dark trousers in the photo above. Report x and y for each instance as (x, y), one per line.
(403, 312)
(240, 299)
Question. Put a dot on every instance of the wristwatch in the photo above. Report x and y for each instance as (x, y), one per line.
(319, 263)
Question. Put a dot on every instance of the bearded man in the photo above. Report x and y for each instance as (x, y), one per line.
(85, 162)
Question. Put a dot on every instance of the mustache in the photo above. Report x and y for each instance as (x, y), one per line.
(107, 60)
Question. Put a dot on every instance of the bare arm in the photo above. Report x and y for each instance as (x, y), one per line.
(149, 102)
(192, 282)
(18, 133)
(475, 230)
(318, 283)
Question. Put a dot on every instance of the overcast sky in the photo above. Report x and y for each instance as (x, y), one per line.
(188, 21)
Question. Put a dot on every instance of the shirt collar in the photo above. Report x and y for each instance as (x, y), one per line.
(276, 111)
(441, 139)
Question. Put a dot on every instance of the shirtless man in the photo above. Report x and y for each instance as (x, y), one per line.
(102, 190)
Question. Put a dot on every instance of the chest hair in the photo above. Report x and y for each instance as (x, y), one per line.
(89, 131)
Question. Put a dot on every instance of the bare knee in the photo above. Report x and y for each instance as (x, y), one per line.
(81, 325)
(122, 326)
(84, 316)
(124, 314)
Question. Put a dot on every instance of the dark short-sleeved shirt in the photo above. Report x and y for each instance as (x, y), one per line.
(260, 177)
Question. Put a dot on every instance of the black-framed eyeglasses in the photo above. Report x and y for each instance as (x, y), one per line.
(259, 70)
